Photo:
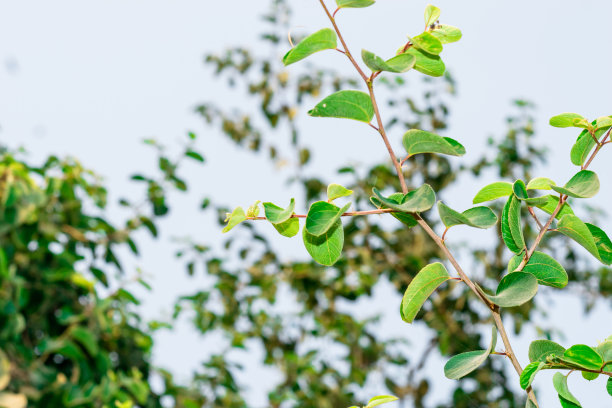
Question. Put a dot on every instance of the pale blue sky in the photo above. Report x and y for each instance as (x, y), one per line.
(92, 79)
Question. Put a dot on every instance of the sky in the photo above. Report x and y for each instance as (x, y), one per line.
(92, 79)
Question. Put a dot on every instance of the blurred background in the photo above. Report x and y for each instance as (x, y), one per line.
(128, 130)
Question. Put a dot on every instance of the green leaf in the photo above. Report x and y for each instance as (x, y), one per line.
(529, 373)
(493, 192)
(233, 219)
(427, 43)
(583, 356)
(381, 399)
(427, 64)
(569, 120)
(253, 210)
(520, 191)
(324, 39)
(462, 364)
(609, 386)
(567, 404)
(603, 122)
(420, 288)
(584, 145)
(552, 203)
(398, 64)
(560, 384)
(605, 351)
(419, 200)
(86, 339)
(337, 191)
(511, 228)
(540, 183)
(407, 219)
(515, 289)
(322, 216)
(603, 243)
(420, 141)
(276, 214)
(477, 217)
(540, 349)
(584, 184)
(194, 155)
(546, 269)
(571, 226)
(432, 14)
(446, 33)
(348, 104)
(326, 248)
(288, 228)
(354, 3)
(587, 375)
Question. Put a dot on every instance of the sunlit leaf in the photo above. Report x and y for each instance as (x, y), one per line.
(427, 43)
(354, 3)
(420, 288)
(379, 400)
(432, 14)
(427, 64)
(584, 184)
(236, 217)
(520, 191)
(446, 33)
(347, 104)
(397, 198)
(335, 191)
(564, 120)
(493, 191)
(322, 216)
(529, 373)
(573, 227)
(540, 183)
(583, 356)
(326, 248)
(324, 39)
(276, 214)
(552, 203)
(420, 141)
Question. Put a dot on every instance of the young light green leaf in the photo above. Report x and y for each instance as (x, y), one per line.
(324, 39)
(348, 104)
(505, 227)
(398, 64)
(546, 269)
(540, 183)
(276, 214)
(426, 63)
(379, 400)
(419, 200)
(584, 184)
(337, 191)
(603, 243)
(583, 356)
(603, 122)
(405, 218)
(552, 203)
(540, 349)
(462, 364)
(420, 141)
(564, 120)
(432, 14)
(477, 217)
(253, 210)
(354, 3)
(326, 248)
(288, 228)
(420, 288)
(446, 33)
(589, 376)
(427, 43)
(233, 219)
(322, 216)
(605, 351)
(515, 289)
(573, 227)
(493, 192)
(560, 384)
(529, 373)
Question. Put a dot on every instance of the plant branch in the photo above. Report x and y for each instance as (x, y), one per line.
(346, 214)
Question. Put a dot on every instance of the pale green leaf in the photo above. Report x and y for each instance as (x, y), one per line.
(354, 3)
(584, 145)
(432, 14)
(540, 349)
(288, 228)
(584, 184)
(573, 227)
(420, 288)
(233, 219)
(253, 210)
(276, 214)
(427, 64)
(398, 64)
(397, 198)
(462, 364)
(420, 141)
(419, 200)
(546, 269)
(515, 289)
(560, 384)
(540, 183)
(564, 120)
(529, 373)
(324, 39)
(552, 203)
(427, 43)
(381, 399)
(326, 248)
(493, 191)
(477, 217)
(347, 105)
(603, 122)
(322, 216)
(335, 191)
(446, 33)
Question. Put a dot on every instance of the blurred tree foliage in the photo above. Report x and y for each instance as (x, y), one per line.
(70, 330)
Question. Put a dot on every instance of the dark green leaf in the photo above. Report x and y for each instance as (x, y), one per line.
(419, 141)
(326, 248)
(540, 349)
(529, 373)
(546, 269)
(322, 216)
(194, 155)
(419, 200)
(324, 39)
(421, 287)
(427, 43)
(520, 191)
(584, 145)
(511, 228)
(560, 384)
(493, 191)
(603, 243)
(354, 105)
(609, 386)
(86, 339)
(584, 184)
(515, 289)
(477, 217)
(462, 364)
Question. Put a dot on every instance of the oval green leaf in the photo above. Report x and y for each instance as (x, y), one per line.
(446, 33)
(419, 200)
(406, 219)
(236, 217)
(322, 216)
(425, 63)
(420, 141)
(420, 288)
(324, 39)
(583, 356)
(326, 248)
(560, 384)
(551, 204)
(603, 243)
(347, 104)
(432, 14)
(546, 269)
(493, 191)
(276, 214)
(584, 145)
(584, 184)
(520, 191)
(398, 64)
(529, 373)
(540, 349)
(462, 364)
(515, 289)
(564, 120)
(381, 399)
(573, 227)
(427, 43)
(354, 3)
(540, 183)
(477, 217)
